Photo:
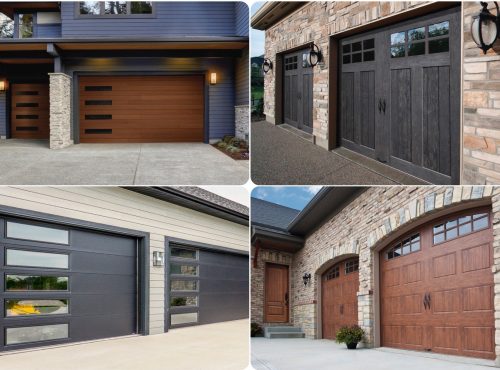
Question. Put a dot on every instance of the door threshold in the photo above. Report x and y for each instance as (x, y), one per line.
(440, 356)
(294, 130)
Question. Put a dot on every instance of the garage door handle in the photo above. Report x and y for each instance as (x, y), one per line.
(427, 300)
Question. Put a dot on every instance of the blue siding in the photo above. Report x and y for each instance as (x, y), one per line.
(48, 30)
(241, 77)
(242, 20)
(3, 114)
(171, 19)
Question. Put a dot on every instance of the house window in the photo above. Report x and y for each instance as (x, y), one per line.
(460, 226)
(25, 26)
(115, 8)
(6, 27)
(404, 247)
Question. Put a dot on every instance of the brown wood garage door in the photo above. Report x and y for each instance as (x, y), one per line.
(276, 293)
(30, 111)
(437, 288)
(141, 109)
(339, 299)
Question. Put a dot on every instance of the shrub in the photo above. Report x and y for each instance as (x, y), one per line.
(255, 329)
(350, 334)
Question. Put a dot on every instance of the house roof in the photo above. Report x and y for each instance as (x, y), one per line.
(213, 198)
(271, 216)
(272, 12)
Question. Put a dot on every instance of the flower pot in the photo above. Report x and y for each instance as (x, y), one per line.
(352, 345)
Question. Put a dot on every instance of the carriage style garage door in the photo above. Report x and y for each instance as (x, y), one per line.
(30, 111)
(437, 288)
(141, 109)
(400, 95)
(339, 297)
(64, 285)
(205, 286)
(297, 90)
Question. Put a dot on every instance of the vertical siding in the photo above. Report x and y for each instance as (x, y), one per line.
(48, 30)
(3, 114)
(242, 21)
(122, 208)
(171, 18)
(242, 79)
(221, 101)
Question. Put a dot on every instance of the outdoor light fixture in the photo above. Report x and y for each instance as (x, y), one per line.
(213, 78)
(3, 85)
(484, 27)
(314, 56)
(306, 278)
(158, 259)
(267, 65)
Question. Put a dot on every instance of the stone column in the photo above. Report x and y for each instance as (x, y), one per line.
(242, 118)
(60, 110)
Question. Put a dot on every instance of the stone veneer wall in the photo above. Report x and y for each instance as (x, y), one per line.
(315, 22)
(242, 119)
(481, 97)
(60, 110)
(361, 228)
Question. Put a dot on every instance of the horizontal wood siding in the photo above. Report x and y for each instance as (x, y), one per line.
(242, 79)
(46, 31)
(171, 18)
(242, 25)
(123, 208)
(3, 114)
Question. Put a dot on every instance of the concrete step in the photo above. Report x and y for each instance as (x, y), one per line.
(285, 335)
(283, 332)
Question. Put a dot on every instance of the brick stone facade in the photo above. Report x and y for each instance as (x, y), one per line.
(60, 110)
(242, 115)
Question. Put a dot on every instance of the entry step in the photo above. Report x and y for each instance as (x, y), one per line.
(283, 332)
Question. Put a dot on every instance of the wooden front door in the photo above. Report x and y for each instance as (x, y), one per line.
(436, 288)
(339, 299)
(276, 293)
(30, 111)
(399, 98)
(297, 90)
(141, 109)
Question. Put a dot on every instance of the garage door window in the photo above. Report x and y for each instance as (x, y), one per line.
(183, 253)
(359, 51)
(23, 231)
(351, 266)
(437, 39)
(184, 285)
(460, 226)
(333, 273)
(184, 318)
(184, 301)
(16, 257)
(37, 307)
(176, 269)
(30, 334)
(30, 282)
(404, 247)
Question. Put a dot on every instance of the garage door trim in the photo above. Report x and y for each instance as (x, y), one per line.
(75, 131)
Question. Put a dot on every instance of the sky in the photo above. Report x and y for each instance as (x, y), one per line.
(256, 37)
(238, 194)
(295, 197)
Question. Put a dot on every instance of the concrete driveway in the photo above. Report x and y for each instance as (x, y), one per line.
(300, 354)
(26, 162)
(216, 346)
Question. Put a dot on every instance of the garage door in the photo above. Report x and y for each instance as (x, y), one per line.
(30, 111)
(61, 285)
(141, 109)
(400, 95)
(339, 297)
(205, 286)
(297, 90)
(437, 288)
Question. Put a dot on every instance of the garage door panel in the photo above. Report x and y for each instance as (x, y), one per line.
(82, 262)
(98, 327)
(401, 113)
(478, 298)
(476, 258)
(478, 341)
(446, 301)
(367, 120)
(96, 303)
(30, 111)
(100, 283)
(446, 339)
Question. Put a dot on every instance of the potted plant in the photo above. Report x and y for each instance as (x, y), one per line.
(350, 335)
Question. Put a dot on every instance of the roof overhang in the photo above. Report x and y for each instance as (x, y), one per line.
(9, 7)
(276, 239)
(272, 12)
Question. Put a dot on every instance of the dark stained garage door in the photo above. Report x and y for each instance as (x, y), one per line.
(205, 286)
(400, 95)
(30, 111)
(64, 285)
(141, 109)
(437, 287)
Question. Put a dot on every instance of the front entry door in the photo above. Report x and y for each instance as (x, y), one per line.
(276, 293)
(298, 86)
(30, 111)
(400, 95)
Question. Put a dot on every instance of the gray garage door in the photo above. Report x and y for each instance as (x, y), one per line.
(63, 285)
(205, 287)
(400, 95)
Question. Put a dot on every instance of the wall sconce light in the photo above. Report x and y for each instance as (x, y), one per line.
(314, 55)
(267, 65)
(213, 78)
(484, 27)
(3, 85)
(306, 278)
(158, 259)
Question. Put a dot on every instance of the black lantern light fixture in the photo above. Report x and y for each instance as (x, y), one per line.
(306, 278)
(484, 27)
(267, 65)
(314, 56)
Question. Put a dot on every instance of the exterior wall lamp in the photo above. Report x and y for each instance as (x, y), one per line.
(484, 27)
(158, 259)
(213, 78)
(314, 56)
(3, 85)
(306, 278)
(267, 65)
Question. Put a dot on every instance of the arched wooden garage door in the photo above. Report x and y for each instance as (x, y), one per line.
(437, 288)
(339, 300)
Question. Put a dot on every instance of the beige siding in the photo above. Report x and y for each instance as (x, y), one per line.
(123, 208)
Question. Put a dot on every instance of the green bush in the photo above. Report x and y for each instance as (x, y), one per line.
(350, 334)
(255, 329)
(232, 149)
(221, 145)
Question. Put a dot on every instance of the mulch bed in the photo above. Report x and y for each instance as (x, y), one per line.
(240, 156)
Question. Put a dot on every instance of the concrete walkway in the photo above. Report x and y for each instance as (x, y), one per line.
(281, 157)
(26, 162)
(300, 354)
(216, 346)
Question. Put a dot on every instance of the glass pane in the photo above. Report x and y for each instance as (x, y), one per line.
(183, 301)
(183, 318)
(398, 38)
(368, 44)
(27, 282)
(25, 25)
(450, 234)
(439, 238)
(439, 46)
(181, 285)
(415, 238)
(390, 254)
(23, 307)
(183, 269)
(369, 55)
(439, 29)
(183, 253)
(346, 48)
(463, 220)
(465, 229)
(346, 59)
(438, 228)
(115, 7)
(90, 7)
(415, 247)
(480, 215)
(141, 7)
(356, 58)
(481, 223)
(451, 224)
(397, 52)
(6, 27)
(397, 252)
(18, 230)
(406, 248)
(356, 46)
(416, 34)
(29, 334)
(416, 48)
(17, 257)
